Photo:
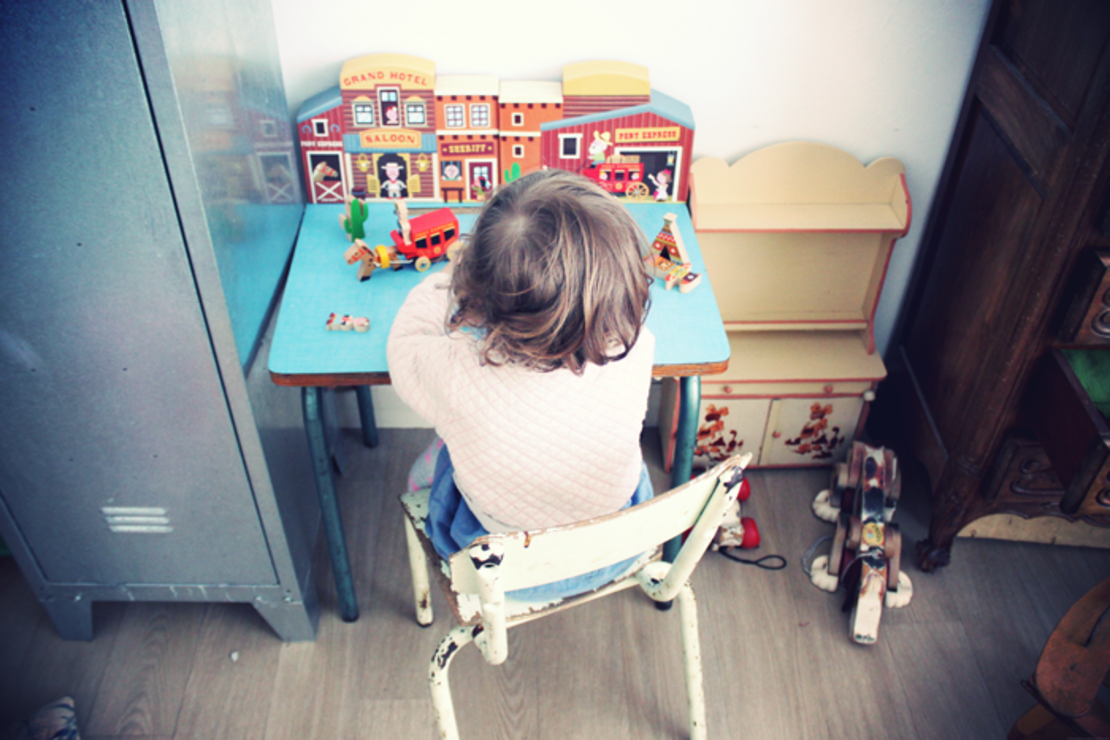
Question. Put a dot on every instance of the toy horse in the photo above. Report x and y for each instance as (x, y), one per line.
(867, 548)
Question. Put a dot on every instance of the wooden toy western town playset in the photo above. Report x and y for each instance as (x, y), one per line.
(392, 128)
(796, 237)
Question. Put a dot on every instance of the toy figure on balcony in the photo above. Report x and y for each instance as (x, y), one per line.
(597, 148)
(867, 548)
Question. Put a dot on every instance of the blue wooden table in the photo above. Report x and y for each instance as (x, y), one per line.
(690, 341)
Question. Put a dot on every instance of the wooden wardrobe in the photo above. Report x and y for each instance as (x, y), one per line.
(1009, 272)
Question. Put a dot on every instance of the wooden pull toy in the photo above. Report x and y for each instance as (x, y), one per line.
(425, 238)
(418, 241)
(736, 530)
(867, 547)
(371, 259)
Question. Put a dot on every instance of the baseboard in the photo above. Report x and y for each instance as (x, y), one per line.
(1046, 530)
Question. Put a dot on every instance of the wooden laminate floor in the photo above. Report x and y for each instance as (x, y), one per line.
(777, 658)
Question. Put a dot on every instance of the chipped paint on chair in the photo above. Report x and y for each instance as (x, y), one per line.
(479, 581)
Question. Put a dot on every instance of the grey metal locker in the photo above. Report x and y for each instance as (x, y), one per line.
(149, 207)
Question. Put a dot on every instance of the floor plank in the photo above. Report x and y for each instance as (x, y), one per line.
(52, 667)
(959, 705)
(233, 676)
(146, 675)
(20, 618)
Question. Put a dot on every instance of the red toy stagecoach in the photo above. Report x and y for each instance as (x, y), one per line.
(428, 237)
(619, 178)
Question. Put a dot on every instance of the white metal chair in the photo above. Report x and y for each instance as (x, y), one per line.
(476, 580)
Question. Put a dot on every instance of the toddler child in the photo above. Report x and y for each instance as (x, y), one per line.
(529, 356)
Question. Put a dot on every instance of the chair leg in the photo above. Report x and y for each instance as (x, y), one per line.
(691, 653)
(418, 565)
(437, 681)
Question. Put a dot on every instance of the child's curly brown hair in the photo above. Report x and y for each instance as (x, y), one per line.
(552, 276)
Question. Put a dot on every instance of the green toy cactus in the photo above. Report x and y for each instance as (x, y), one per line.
(354, 218)
(513, 173)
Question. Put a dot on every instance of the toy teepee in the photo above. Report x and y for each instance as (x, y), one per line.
(669, 261)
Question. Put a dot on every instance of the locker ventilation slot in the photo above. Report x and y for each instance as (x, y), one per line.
(136, 519)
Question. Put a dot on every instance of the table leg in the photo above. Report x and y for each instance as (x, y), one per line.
(312, 401)
(689, 401)
(366, 415)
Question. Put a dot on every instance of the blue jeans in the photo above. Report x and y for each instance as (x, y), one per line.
(452, 526)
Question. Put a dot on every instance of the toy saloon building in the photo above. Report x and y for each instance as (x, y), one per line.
(392, 129)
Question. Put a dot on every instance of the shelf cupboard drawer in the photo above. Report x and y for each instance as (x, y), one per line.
(726, 389)
(1071, 428)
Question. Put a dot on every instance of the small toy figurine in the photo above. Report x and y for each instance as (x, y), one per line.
(668, 259)
(354, 218)
(867, 548)
(371, 259)
(402, 210)
(345, 322)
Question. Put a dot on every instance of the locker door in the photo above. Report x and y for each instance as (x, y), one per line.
(119, 462)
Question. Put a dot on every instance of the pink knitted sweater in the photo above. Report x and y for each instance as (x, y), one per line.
(530, 449)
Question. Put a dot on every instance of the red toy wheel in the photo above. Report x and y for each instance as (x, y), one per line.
(745, 491)
(751, 538)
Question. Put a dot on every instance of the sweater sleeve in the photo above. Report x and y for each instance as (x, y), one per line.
(419, 349)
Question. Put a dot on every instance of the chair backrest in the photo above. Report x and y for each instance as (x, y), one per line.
(527, 559)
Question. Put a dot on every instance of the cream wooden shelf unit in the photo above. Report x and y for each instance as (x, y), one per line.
(796, 239)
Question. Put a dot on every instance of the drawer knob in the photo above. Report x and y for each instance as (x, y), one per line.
(726, 389)
(828, 389)
(776, 435)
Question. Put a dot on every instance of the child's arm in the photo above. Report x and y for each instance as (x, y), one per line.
(419, 351)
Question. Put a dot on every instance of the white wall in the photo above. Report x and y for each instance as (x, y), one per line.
(873, 77)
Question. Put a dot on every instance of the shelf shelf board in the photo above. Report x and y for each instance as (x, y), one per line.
(793, 217)
(802, 356)
(798, 323)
